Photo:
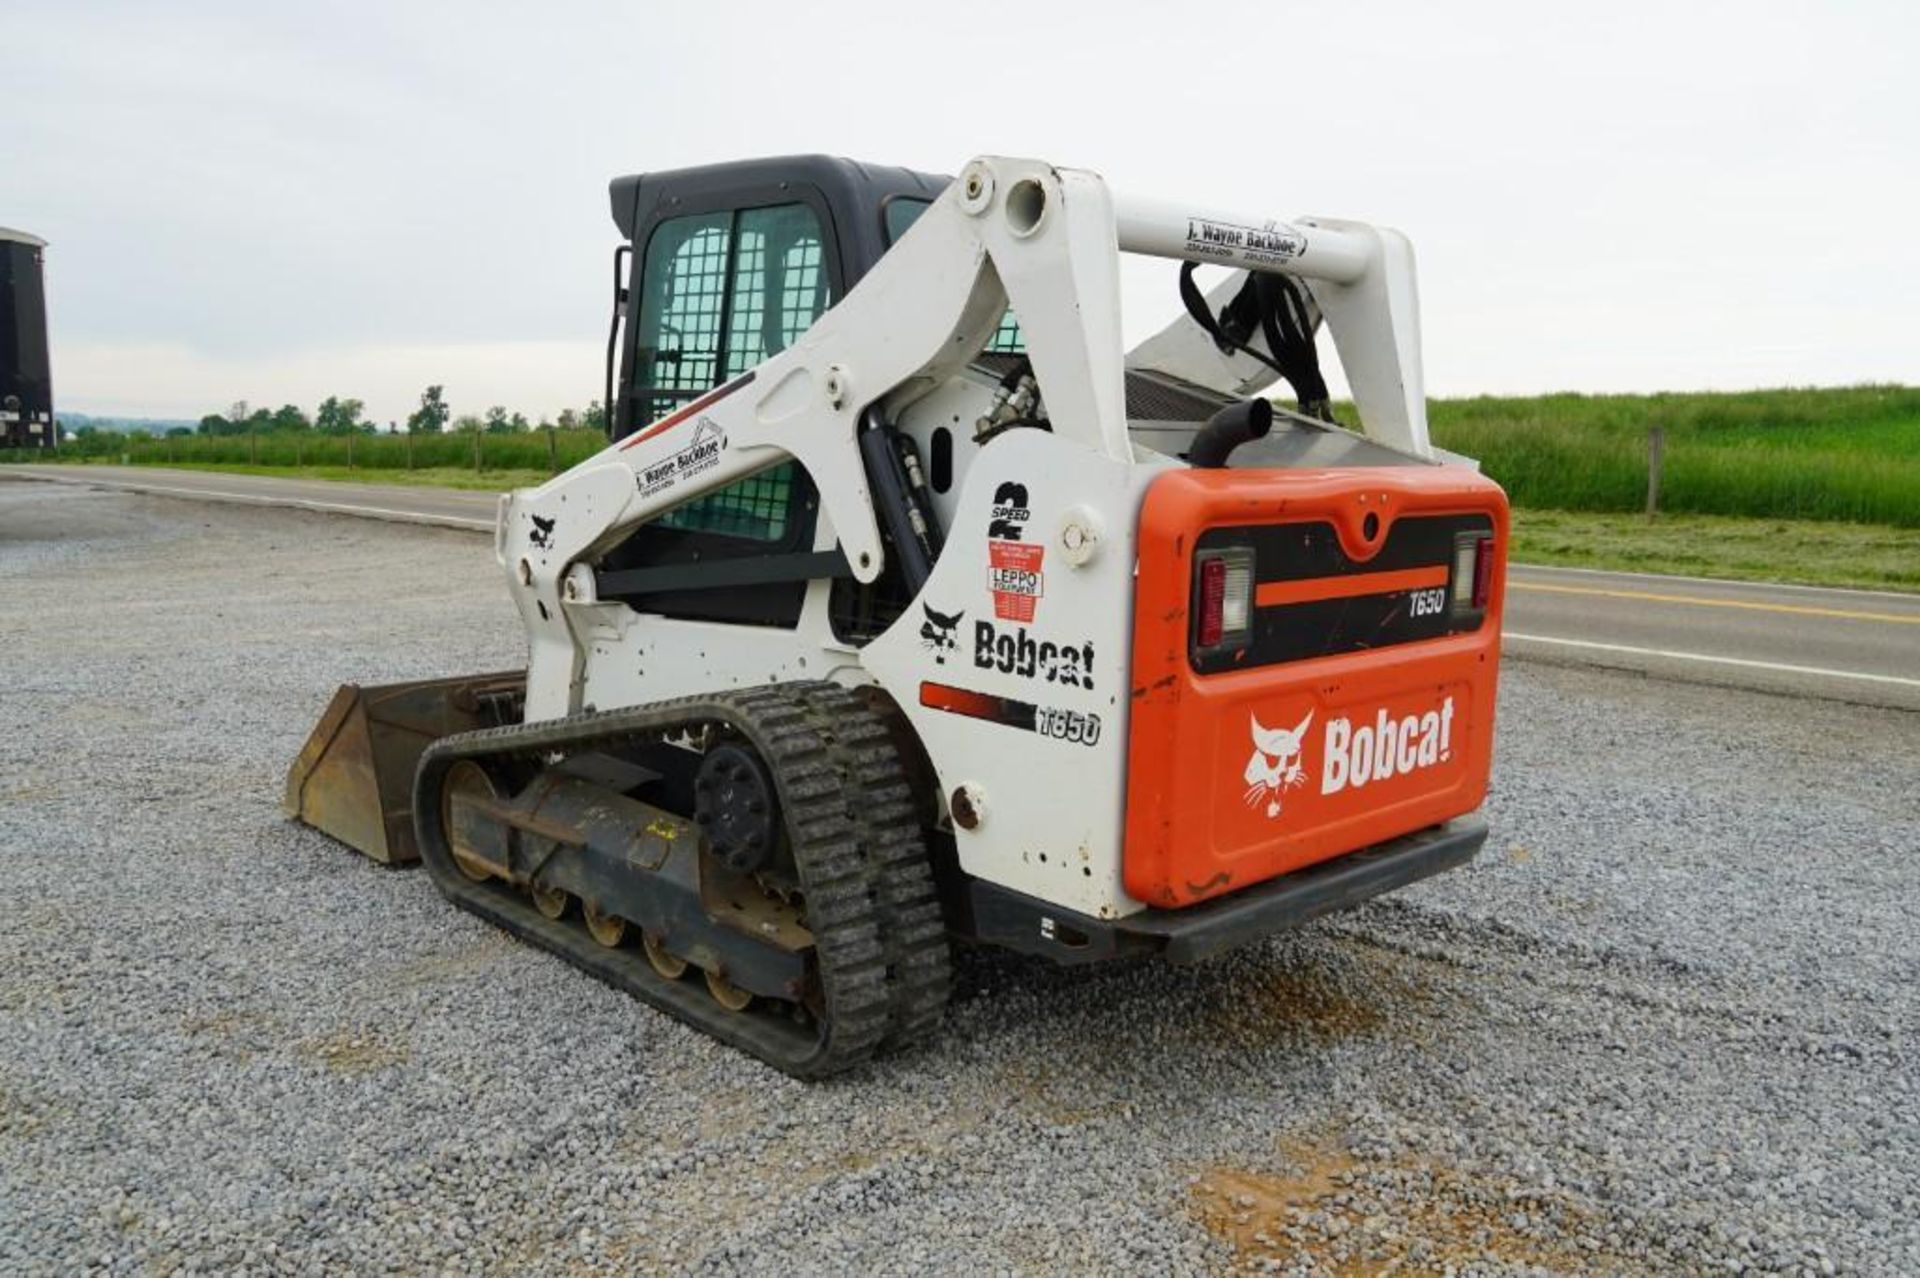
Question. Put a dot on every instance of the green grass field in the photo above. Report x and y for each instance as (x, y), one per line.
(1810, 552)
(1849, 454)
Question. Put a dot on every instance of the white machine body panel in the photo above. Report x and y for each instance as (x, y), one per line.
(1013, 668)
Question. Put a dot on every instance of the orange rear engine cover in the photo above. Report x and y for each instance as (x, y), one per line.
(1358, 707)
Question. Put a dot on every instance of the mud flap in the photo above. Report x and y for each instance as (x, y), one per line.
(353, 779)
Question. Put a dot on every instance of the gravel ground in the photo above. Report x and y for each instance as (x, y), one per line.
(1667, 1021)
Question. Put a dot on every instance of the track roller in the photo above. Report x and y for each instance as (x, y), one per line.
(608, 929)
(666, 964)
(727, 994)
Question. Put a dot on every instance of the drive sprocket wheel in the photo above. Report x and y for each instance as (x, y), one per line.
(735, 807)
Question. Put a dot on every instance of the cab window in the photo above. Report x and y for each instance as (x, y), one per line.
(720, 293)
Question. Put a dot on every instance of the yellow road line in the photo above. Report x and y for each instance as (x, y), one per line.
(1699, 601)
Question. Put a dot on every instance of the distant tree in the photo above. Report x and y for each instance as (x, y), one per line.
(238, 412)
(175, 432)
(216, 424)
(595, 418)
(337, 416)
(431, 417)
(468, 424)
(496, 420)
(518, 422)
(569, 420)
(288, 417)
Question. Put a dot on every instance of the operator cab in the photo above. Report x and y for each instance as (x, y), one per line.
(730, 263)
(724, 267)
(735, 261)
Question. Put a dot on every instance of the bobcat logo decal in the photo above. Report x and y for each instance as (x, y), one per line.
(1275, 766)
(936, 632)
(542, 535)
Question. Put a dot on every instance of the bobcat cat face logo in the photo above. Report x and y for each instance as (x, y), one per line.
(542, 534)
(936, 632)
(1275, 766)
(1009, 512)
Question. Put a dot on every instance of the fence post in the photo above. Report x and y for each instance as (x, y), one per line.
(253, 449)
(476, 452)
(409, 448)
(553, 456)
(1656, 446)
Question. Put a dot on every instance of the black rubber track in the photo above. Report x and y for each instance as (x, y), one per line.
(861, 903)
(913, 929)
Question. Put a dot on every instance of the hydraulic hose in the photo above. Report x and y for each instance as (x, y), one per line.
(888, 482)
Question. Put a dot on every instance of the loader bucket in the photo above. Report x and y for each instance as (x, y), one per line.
(354, 777)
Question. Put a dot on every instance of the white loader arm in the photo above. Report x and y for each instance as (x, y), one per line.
(1360, 277)
(1007, 232)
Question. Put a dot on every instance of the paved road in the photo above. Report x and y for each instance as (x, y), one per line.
(1848, 645)
(1851, 645)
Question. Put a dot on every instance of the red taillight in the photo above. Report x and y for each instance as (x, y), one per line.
(1213, 602)
(1223, 598)
(1472, 572)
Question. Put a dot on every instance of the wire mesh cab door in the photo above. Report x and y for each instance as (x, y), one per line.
(730, 263)
(723, 280)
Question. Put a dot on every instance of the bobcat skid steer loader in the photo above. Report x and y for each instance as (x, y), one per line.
(905, 605)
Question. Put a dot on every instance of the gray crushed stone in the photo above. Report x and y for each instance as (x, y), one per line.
(1666, 1022)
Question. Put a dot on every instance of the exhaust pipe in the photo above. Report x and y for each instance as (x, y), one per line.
(1226, 430)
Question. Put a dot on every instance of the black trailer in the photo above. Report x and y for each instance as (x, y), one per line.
(26, 376)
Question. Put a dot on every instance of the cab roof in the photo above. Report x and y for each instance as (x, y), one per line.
(846, 184)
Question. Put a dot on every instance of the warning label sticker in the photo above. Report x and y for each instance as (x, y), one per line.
(1014, 576)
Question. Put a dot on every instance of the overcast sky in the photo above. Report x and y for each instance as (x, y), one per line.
(278, 202)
